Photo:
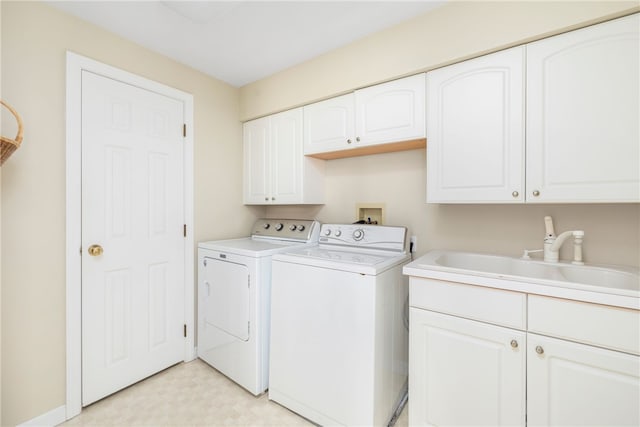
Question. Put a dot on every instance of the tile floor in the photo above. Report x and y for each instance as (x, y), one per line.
(192, 394)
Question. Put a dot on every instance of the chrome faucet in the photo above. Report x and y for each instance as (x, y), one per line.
(553, 243)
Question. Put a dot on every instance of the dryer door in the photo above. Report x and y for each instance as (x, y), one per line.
(226, 287)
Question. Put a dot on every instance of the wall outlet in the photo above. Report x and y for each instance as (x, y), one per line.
(414, 243)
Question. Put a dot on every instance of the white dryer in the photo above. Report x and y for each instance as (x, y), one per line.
(234, 285)
(339, 329)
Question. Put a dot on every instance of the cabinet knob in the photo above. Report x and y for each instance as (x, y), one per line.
(357, 139)
(536, 193)
(514, 344)
(273, 198)
(348, 141)
(515, 194)
(266, 199)
(539, 349)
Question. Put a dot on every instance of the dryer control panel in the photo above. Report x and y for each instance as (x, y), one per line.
(304, 230)
(364, 236)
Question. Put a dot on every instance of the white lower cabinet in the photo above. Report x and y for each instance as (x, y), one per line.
(576, 384)
(467, 368)
(464, 372)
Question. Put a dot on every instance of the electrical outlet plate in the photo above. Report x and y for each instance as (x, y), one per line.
(375, 211)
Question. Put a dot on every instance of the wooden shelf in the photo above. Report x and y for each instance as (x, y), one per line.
(372, 149)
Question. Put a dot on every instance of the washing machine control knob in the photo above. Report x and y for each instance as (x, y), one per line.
(266, 225)
(358, 234)
(293, 227)
(279, 226)
(301, 228)
(327, 232)
(338, 233)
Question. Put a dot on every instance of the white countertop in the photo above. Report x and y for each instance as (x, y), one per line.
(428, 267)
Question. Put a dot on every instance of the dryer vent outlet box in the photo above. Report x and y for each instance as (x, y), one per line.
(373, 212)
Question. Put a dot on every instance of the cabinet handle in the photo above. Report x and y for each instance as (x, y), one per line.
(514, 344)
(539, 349)
(348, 141)
(515, 194)
(536, 193)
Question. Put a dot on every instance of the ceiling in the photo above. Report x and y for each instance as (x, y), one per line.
(243, 41)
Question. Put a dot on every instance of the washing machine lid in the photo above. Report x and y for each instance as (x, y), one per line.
(356, 261)
(252, 247)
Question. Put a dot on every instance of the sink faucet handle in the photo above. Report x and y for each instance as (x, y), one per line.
(526, 253)
(548, 225)
(578, 235)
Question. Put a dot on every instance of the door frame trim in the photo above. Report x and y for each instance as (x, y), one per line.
(75, 65)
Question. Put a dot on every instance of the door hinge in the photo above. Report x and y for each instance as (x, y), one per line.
(184, 130)
(249, 282)
(185, 330)
(184, 230)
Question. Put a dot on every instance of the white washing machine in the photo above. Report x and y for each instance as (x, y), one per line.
(234, 285)
(339, 330)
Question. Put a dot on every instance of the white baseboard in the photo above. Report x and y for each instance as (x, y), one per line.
(52, 418)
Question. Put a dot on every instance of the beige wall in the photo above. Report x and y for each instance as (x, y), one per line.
(34, 40)
(454, 31)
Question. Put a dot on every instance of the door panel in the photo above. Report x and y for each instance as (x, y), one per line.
(577, 384)
(475, 129)
(329, 125)
(132, 206)
(286, 149)
(393, 111)
(463, 372)
(227, 297)
(583, 104)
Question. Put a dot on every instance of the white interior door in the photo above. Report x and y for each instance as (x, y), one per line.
(133, 208)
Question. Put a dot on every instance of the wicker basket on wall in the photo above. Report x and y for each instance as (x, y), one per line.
(10, 145)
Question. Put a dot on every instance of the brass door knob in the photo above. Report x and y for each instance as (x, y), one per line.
(95, 250)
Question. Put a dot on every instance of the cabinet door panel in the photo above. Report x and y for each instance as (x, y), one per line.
(475, 130)
(257, 171)
(391, 112)
(286, 155)
(577, 384)
(329, 125)
(463, 372)
(583, 142)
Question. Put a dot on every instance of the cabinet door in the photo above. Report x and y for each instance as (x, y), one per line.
(391, 112)
(577, 384)
(329, 125)
(475, 130)
(286, 157)
(583, 143)
(257, 173)
(463, 372)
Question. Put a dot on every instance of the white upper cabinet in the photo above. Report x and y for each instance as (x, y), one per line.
(388, 113)
(475, 130)
(257, 158)
(329, 125)
(583, 143)
(275, 170)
